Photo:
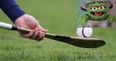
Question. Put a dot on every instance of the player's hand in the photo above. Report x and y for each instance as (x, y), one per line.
(29, 22)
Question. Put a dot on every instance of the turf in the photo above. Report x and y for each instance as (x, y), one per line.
(59, 17)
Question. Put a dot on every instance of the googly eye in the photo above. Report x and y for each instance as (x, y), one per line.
(102, 7)
(94, 8)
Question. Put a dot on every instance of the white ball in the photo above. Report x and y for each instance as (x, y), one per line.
(84, 32)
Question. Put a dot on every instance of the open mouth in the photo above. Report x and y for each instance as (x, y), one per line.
(97, 13)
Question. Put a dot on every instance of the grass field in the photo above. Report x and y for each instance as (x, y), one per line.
(59, 17)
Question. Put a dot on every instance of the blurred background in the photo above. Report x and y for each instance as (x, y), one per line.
(59, 17)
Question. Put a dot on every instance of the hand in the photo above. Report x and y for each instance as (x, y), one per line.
(29, 22)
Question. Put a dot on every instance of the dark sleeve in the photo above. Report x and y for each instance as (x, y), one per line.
(11, 9)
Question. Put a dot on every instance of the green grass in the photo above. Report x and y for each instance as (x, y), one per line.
(58, 16)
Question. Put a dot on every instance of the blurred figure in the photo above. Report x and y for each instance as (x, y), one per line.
(97, 14)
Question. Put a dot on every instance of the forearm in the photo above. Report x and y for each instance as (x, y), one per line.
(11, 9)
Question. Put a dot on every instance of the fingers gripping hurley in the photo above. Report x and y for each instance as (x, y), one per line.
(76, 41)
